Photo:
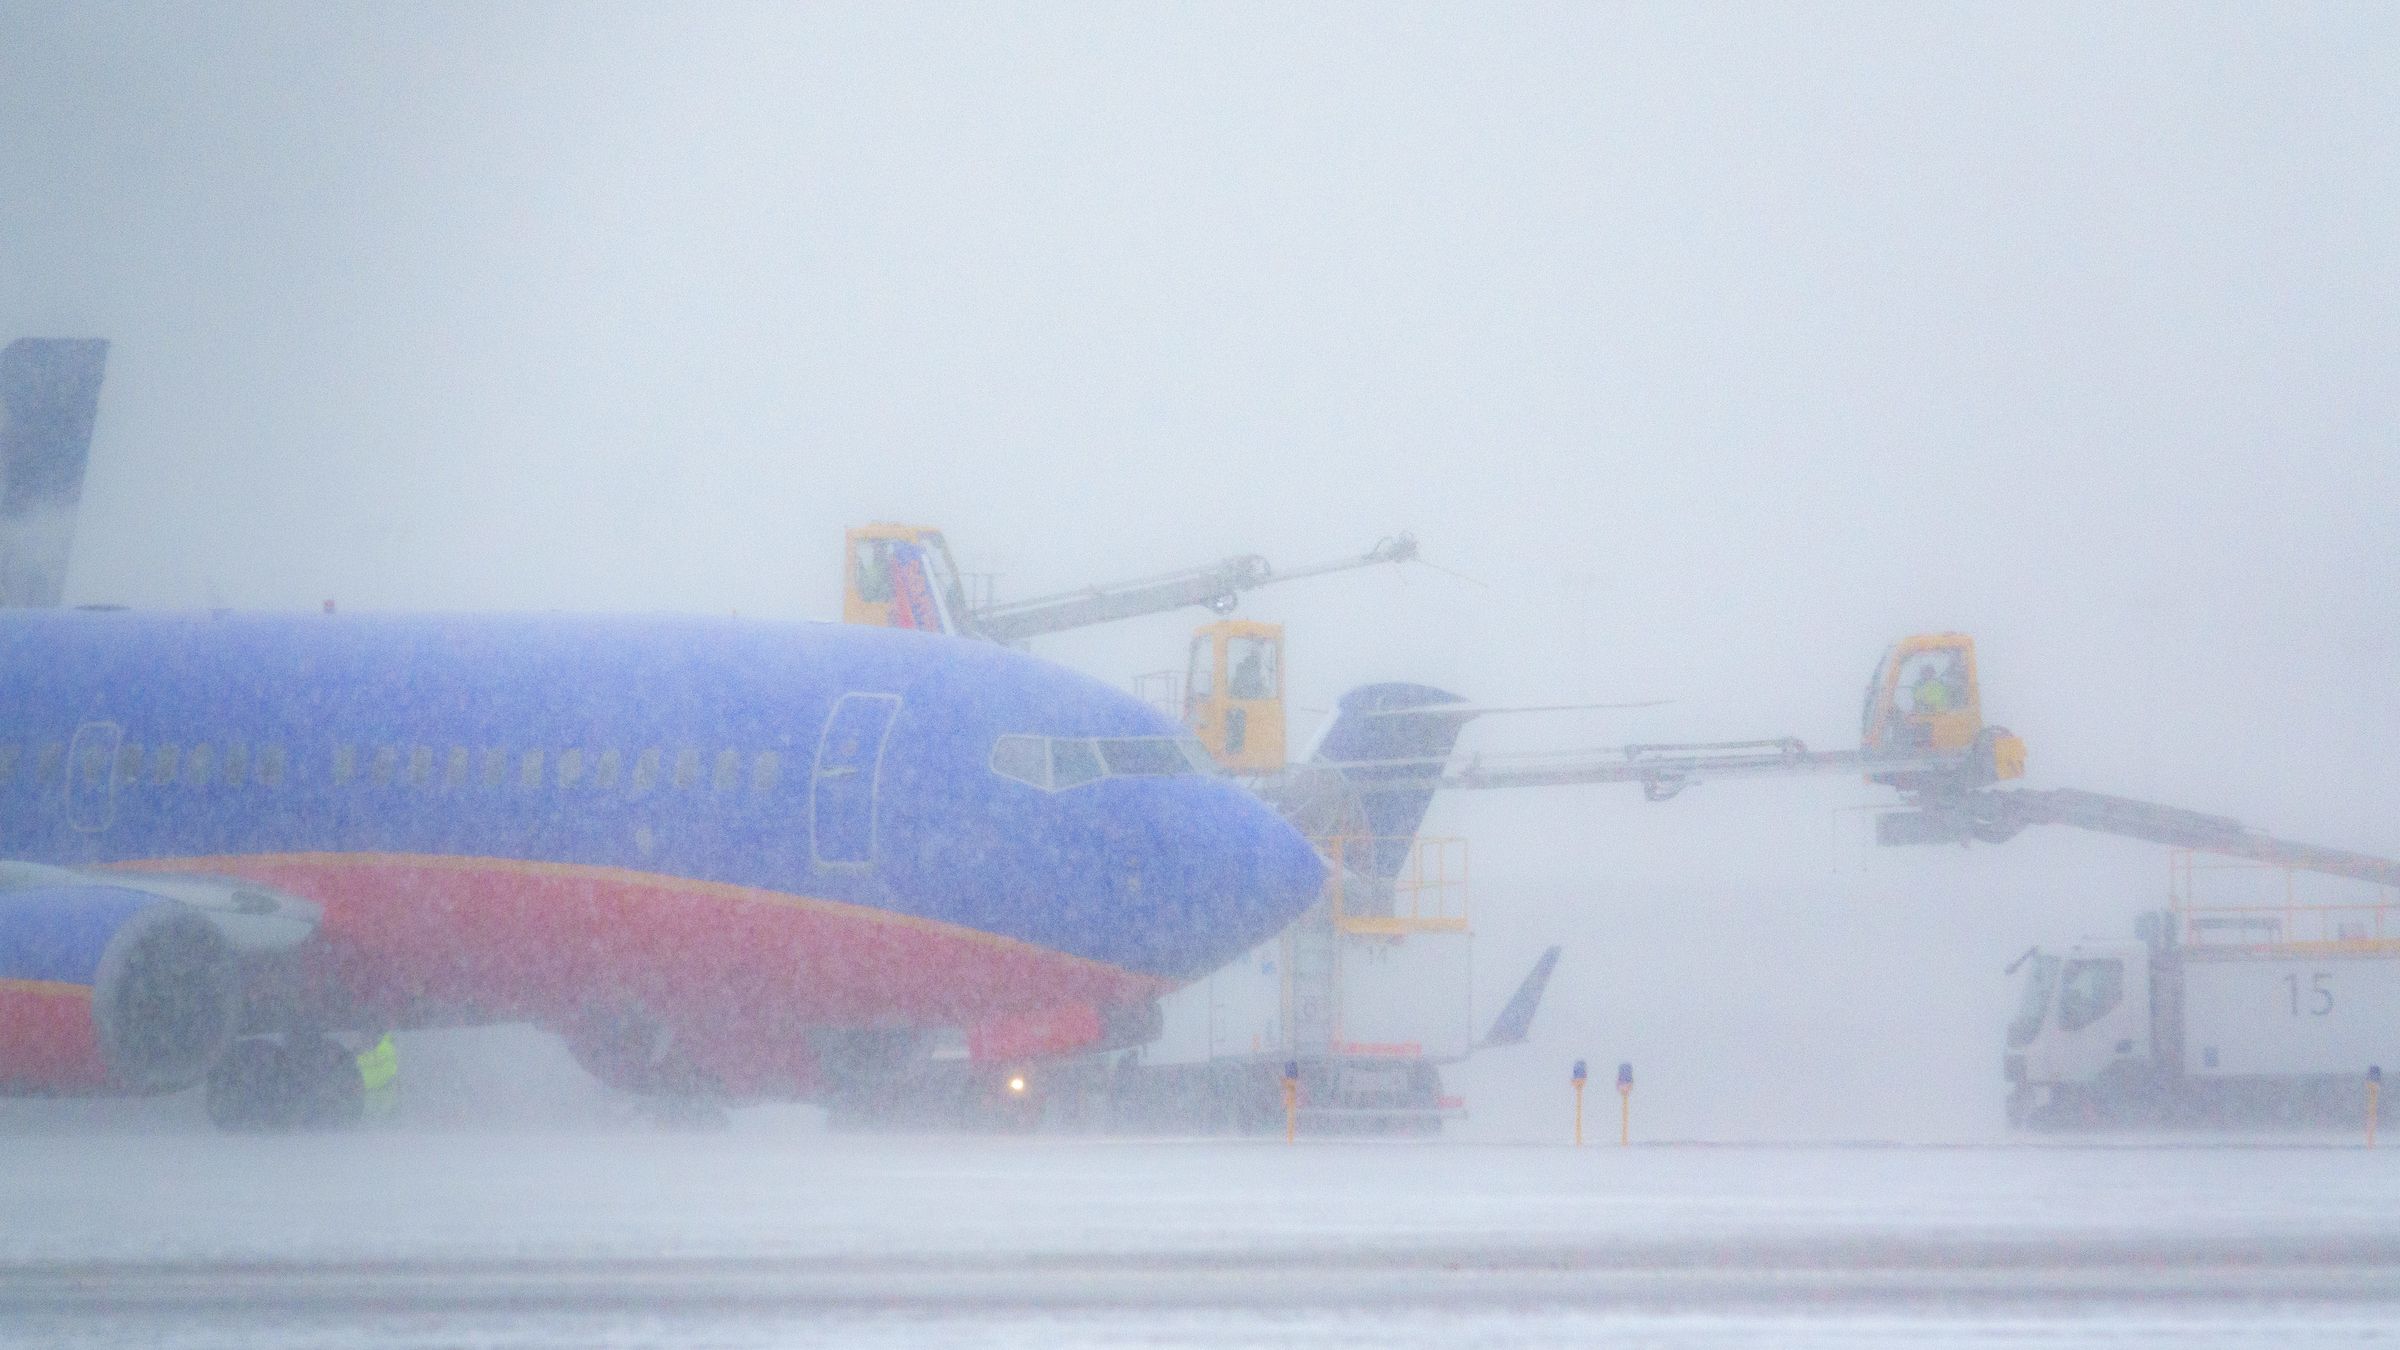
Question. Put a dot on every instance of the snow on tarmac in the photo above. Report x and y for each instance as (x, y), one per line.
(777, 1233)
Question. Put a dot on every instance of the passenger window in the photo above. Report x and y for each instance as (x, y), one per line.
(8, 763)
(420, 766)
(384, 765)
(645, 770)
(50, 765)
(570, 767)
(765, 772)
(606, 768)
(164, 761)
(1073, 763)
(129, 763)
(529, 769)
(2087, 991)
(270, 766)
(495, 766)
(200, 765)
(455, 771)
(345, 764)
(1023, 758)
(728, 771)
(687, 767)
(237, 763)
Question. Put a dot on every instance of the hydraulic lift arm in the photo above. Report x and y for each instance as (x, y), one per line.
(1921, 731)
(1662, 770)
(1995, 816)
(1217, 586)
(902, 576)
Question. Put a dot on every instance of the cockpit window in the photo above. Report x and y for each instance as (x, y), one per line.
(1024, 758)
(1073, 764)
(1144, 757)
(1056, 763)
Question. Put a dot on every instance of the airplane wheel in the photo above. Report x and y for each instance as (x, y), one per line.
(269, 1084)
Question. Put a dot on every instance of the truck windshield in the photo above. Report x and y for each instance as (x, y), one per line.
(2041, 977)
(2087, 991)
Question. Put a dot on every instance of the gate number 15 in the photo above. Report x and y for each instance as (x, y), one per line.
(2319, 991)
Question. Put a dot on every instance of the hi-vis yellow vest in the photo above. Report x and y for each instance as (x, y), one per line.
(379, 1074)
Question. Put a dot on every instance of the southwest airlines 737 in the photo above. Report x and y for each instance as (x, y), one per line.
(727, 860)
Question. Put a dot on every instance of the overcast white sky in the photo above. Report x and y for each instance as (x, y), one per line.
(1721, 344)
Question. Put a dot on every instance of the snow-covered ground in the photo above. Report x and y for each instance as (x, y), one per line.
(774, 1232)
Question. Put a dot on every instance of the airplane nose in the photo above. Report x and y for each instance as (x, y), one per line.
(1237, 874)
(1289, 872)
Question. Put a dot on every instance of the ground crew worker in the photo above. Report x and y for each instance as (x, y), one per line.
(379, 1077)
(1250, 673)
(1932, 690)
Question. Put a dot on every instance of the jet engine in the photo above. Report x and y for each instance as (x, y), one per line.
(127, 987)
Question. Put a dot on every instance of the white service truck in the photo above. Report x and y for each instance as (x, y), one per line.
(2208, 1019)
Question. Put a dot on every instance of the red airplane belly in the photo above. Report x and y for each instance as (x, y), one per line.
(418, 939)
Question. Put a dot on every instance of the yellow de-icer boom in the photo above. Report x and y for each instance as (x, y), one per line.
(902, 576)
(1922, 731)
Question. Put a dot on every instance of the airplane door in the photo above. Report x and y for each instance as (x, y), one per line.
(92, 775)
(842, 788)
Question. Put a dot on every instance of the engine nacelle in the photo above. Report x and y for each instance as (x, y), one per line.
(109, 989)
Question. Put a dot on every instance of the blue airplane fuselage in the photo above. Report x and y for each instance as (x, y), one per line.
(748, 829)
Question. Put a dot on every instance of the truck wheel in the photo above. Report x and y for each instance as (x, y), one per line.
(297, 1082)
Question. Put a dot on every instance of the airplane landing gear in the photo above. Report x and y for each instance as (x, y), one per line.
(292, 1082)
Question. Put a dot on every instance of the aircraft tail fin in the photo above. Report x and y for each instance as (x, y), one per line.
(1515, 1020)
(49, 396)
(1391, 732)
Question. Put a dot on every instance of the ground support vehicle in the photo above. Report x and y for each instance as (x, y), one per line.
(2251, 1010)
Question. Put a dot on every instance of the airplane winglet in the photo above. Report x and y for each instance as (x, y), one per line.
(1516, 1019)
(49, 397)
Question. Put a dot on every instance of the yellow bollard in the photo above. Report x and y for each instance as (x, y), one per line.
(1578, 1078)
(2374, 1093)
(1624, 1105)
(1291, 1100)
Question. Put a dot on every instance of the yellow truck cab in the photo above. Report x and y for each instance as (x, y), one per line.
(1924, 700)
(1233, 694)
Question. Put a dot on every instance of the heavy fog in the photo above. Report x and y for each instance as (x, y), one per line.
(1705, 350)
